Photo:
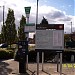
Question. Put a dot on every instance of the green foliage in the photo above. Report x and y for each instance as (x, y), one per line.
(10, 27)
(21, 33)
(67, 56)
(6, 54)
(0, 38)
(67, 37)
(3, 33)
(32, 56)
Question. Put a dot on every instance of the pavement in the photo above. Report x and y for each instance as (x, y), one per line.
(11, 67)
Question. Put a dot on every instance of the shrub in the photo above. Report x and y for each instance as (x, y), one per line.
(6, 54)
(67, 56)
(32, 56)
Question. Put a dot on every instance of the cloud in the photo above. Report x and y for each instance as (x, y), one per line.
(70, 5)
(52, 14)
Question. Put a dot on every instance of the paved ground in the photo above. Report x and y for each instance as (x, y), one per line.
(11, 67)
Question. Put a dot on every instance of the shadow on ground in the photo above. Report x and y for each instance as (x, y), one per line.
(4, 70)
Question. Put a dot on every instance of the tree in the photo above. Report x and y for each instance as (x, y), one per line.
(0, 38)
(21, 33)
(3, 34)
(10, 27)
(44, 21)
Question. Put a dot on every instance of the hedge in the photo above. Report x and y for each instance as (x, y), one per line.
(6, 54)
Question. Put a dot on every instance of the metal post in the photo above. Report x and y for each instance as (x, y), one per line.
(72, 58)
(60, 63)
(27, 20)
(42, 61)
(37, 52)
(37, 13)
(3, 15)
(27, 62)
(57, 62)
(37, 63)
(71, 27)
(27, 35)
(71, 31)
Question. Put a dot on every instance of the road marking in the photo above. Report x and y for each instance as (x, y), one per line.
(68, 65)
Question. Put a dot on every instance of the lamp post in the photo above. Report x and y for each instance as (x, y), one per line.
(71, 31)
(35, 27)
(3, 13)
(71, 27)
(37, 13)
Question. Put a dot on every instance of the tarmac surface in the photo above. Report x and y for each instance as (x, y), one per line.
(11, 67)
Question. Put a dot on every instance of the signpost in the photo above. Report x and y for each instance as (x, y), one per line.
(27, 11)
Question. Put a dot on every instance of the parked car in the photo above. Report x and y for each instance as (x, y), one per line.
(4, 45)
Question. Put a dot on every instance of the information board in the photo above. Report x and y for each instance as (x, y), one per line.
(50, 37)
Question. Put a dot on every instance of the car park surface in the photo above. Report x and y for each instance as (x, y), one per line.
(11, 67)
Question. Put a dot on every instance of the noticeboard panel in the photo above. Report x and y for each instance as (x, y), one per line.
(50, 39)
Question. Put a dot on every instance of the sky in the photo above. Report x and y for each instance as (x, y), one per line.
(55, 11)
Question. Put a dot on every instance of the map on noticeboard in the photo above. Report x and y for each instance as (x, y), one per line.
(50, 38)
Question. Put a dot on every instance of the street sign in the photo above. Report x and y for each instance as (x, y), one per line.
(27, 10)
(50, 37)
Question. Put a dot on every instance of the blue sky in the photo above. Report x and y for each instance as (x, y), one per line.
(55, 11)
(64, 5)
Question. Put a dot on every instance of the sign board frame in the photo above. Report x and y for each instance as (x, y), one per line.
(49, 37)
(29, 27)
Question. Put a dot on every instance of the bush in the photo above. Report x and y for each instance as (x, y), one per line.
(48, 55)
(67, 56)
(6, 54)
(32, 56)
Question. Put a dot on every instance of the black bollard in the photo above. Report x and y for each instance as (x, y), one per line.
(22, 67)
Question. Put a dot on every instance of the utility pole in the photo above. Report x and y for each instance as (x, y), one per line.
(3, 17)
(71, 31)
(37, 13)
(35, 27)
(3, 13)
(71, 27)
